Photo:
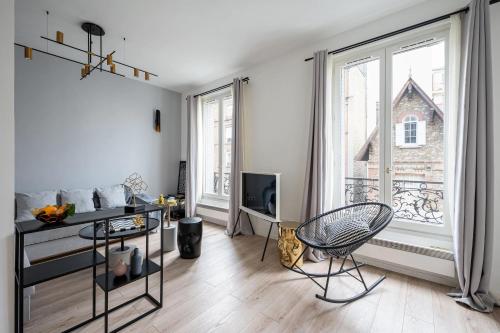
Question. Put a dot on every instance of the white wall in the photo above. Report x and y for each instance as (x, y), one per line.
(79, 134)
(495, 32)
(278, 108)
(6, 166)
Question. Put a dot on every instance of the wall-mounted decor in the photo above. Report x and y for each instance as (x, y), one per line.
(94, 60)
(157, 121)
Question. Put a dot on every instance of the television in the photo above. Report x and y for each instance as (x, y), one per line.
(260, 195)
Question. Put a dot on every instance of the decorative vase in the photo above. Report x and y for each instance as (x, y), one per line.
(117, 253)
(136, 263)
(120, 269)
(289, 245)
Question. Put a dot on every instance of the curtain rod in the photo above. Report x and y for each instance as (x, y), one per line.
(400, 31)
(245, 79)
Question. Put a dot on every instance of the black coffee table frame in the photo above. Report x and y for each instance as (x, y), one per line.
(29, 276)
(88, 232)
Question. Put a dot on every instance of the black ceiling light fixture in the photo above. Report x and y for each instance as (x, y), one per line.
(92, 30)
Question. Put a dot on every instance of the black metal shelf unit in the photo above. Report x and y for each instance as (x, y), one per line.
(148, 268)
(60, 267)
(29, 276)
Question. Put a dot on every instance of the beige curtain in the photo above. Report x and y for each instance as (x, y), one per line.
(317, 156)
(473, 213)
(192, 156)
(237, 164)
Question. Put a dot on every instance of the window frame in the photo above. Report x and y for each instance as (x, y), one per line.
(219, 96)
(412, 121)
(384, 50)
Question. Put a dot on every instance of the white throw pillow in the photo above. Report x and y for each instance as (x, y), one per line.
(82, 198)
(25, 202)
(111, 196)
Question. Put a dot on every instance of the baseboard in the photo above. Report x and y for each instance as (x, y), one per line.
(406, 270)
(213, 220)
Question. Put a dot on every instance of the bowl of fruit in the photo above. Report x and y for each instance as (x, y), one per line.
(53, 213)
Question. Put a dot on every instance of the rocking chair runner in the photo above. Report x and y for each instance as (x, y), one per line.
(338, 233)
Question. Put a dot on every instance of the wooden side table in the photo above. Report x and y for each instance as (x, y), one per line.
(169, 231)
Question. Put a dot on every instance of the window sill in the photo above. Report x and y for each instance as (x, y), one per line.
(221, 205)
(410, 146)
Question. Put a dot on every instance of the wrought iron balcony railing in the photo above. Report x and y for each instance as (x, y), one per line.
(225, 182)
(412, 201)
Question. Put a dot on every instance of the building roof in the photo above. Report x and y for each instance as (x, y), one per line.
(409, 86)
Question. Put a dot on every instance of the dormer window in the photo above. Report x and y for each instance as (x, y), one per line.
(411, 132)
(410, 128)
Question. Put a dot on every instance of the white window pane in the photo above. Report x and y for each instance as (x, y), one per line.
(211, 146)
(417, 182)
(360, 101)
(228, 107)
(217, 139)
(227, 139)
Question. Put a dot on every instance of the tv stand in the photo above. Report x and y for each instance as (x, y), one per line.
(253, 231)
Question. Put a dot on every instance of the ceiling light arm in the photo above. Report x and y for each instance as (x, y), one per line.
(64, 58)
(94, 67)
(89, 48)
(96, 55)
(100, 51)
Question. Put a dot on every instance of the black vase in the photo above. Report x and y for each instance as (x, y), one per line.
(136, 263)
(189, 234)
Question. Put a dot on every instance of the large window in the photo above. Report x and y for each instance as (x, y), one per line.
(391, 118)
(217, 115)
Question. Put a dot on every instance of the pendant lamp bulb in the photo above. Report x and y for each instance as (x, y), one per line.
(109, 59)
(60, 37)
(28, 53)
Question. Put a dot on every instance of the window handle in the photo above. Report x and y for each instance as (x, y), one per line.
(388, 170)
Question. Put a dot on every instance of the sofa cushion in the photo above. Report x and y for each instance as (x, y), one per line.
(82, 198)
(346, 230)
(111, 196)
(57, 247)
(25, 202)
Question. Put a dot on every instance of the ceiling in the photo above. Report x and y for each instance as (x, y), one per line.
(189, 43)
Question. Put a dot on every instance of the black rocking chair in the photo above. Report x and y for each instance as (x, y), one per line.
(338, 233)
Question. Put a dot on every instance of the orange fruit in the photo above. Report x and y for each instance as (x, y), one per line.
(50, 210)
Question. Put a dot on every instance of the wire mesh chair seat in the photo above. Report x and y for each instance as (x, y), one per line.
(338, 233)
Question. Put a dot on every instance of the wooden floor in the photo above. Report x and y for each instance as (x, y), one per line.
(228, 289)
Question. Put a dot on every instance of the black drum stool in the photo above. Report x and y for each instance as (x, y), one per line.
(189, 232)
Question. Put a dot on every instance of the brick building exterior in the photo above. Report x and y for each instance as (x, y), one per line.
(417, 134)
